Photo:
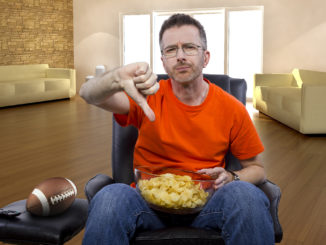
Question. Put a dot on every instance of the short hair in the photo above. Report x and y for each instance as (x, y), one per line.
(181, 20)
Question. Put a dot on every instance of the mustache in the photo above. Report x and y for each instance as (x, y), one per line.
(181, 64)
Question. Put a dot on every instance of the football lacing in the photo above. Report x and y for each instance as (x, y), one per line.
(58, 198)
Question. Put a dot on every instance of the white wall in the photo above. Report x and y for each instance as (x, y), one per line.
(294, 31)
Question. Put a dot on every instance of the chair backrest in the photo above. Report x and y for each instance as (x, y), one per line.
(124, 138)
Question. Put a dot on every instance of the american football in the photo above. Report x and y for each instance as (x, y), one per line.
(52, 196)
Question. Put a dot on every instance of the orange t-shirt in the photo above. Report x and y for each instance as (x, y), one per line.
(191, 137)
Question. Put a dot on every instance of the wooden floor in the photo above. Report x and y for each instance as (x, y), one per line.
(72, 139)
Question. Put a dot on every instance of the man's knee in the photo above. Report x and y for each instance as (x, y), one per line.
(115, 196)
(243, 194)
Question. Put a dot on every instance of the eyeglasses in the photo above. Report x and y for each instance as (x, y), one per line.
(189, 49)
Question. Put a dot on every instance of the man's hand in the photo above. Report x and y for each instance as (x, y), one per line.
(220, 175)
(138, 81)
(252, 171)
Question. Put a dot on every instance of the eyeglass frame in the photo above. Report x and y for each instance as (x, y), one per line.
(182, 47)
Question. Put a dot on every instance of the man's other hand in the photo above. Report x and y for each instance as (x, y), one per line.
(220, 175)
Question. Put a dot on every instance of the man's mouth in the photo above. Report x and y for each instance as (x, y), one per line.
(182, 68)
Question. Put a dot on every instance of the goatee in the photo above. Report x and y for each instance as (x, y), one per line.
(185, 77)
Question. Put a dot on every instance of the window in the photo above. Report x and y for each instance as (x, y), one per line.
(245, 45)
(158, 20)
(234, 39)
(136, 41)
(214, 28)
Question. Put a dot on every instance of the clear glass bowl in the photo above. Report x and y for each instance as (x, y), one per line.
(174, 191)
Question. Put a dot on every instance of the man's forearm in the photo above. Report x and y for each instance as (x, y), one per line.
(254, 174)
(98, 89)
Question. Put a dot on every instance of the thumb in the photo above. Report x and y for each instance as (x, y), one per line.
(201, 171)
(141, 101)
(147, 110)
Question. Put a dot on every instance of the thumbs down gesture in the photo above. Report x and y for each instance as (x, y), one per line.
(138, 81)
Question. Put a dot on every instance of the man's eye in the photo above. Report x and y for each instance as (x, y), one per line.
(190, 47)
(170, 50)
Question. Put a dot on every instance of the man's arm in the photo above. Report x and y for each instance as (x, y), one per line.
(106, 91)
(252, 171)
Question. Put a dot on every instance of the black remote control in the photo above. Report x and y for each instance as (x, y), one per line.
(9, 213)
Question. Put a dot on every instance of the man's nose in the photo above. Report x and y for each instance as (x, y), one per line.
(180, 54)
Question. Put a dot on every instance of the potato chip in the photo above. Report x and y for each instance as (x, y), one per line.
(173, 191)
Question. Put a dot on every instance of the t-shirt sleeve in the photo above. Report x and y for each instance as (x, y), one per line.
(245, 142)
(134, 117)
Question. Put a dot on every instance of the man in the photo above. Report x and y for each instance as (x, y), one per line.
(185, 122)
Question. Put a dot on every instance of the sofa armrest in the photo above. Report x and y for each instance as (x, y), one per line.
(64, 73)
(313, 104)
(278, 80)
(309, 77)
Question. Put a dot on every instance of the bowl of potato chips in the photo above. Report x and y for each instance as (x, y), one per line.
(173, 190)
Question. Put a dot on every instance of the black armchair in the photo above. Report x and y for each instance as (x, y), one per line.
(122, 168)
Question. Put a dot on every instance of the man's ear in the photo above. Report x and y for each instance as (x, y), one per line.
(207, 56)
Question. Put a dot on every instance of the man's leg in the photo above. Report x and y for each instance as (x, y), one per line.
(115, 213)
(241, 211)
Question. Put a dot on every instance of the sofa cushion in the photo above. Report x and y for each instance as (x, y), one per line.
(274, 80)
(284, 98)
(56, 84)
(31, 87)
(22, 72)
(7, 89)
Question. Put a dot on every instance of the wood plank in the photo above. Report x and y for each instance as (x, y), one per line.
(63, 138)
(316, 236)
(72, 139)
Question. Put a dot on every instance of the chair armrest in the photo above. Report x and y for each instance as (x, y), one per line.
(313, 104)
(64, 73)
(31, 229)
(95, 184)
(273, 192)
(279, 80)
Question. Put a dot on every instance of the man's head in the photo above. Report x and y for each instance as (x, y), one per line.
(183, 45)
(178, 20)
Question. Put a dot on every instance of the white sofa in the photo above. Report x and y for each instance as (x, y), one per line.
(22, 84)
(296, 99)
